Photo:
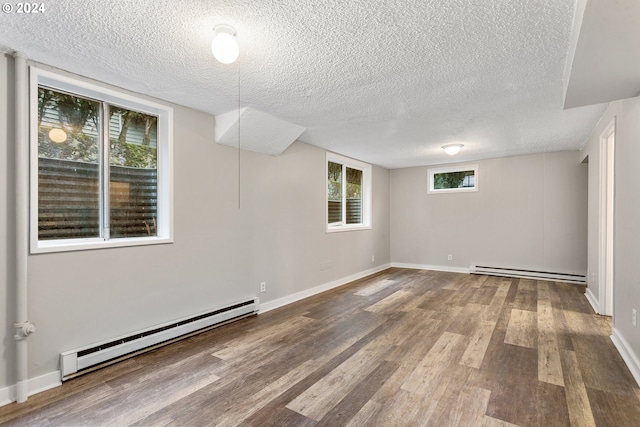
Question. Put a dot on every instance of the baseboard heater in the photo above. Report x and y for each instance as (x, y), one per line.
(529, 274)
(89, 358)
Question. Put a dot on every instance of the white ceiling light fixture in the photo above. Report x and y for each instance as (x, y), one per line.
(452, 149)
(225, 46)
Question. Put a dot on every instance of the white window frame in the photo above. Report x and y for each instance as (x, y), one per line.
(164, 163)
(366, 193)
(458, 168)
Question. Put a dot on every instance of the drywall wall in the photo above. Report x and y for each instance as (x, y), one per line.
(7, 214)
(590, 154)
(626, 291)
(626, 233)
(229, 237)
(529, 213)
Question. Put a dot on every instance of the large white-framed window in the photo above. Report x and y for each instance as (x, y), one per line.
(453, 179)
(100, 166)
(348, 194)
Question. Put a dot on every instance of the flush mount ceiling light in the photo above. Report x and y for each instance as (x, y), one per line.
(452, 149)
(225, 44)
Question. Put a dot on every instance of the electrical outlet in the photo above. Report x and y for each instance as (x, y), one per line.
(263, 286)
(373, 258)
(450, 257)
(634, 317)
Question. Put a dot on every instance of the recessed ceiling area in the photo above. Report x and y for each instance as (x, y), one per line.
(387, 82)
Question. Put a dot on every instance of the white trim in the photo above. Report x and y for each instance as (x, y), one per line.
(458, 168)
(625, 350)
(164, 162)
(280, 302)
(592, 300)
(431, 267)
(34, 386)
(605, 226)
(51, 380)
(366, 193)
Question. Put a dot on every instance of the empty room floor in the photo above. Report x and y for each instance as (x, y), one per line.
(399, 348)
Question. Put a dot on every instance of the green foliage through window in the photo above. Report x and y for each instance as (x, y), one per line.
(448, 180)
(72, 143)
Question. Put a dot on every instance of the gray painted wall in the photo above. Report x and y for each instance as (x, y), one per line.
(626, 250)
(220, 255)
(626, 291)
(529, 212)
(7, 236)
(627, 224)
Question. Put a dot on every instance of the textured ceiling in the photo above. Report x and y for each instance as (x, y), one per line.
(387, 82)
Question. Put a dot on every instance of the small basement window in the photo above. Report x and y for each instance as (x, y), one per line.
(453, 179)
(348, 194)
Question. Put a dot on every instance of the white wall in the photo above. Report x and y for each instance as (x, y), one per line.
(220, 255)
(529, 213)
(626, 285)
(590, 153)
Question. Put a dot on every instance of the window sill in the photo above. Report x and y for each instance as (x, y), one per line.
(90, 244)
(453, 190)
(353, 227)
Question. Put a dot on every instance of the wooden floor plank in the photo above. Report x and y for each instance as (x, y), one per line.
(351, 404)
(465, 408)
(367, 416)
(605, 404)
(391, 302)
(316, 401)
(578, 406)
(549, 365)
(494, 422)
(401, 347)
(375, 287)
(475, 351)
(526, 295)
(431, 369)
(522, 329)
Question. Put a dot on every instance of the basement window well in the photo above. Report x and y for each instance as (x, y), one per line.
(453, 179)
(100, 167)
(348, 194)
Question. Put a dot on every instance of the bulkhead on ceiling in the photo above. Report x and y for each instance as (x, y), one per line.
(254, 130)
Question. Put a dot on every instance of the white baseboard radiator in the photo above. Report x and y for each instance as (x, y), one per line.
(579, 279)
(89, 358)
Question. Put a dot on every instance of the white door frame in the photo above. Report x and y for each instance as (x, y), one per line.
(605, 240)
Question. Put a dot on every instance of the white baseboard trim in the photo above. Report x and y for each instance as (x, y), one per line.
(430, 267)
(629, 357)
(34, 385)
(280, 302)
(51, 380)
(592, 300)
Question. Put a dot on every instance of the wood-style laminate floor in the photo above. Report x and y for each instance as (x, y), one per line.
(400, 348)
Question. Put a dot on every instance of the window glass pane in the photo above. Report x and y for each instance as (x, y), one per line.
(354, 196)
(68, 166)
(133, 173)
(461, 179)
(334, 192)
